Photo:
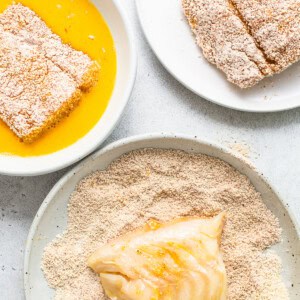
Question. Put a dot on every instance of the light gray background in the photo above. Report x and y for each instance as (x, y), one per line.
(159, 103)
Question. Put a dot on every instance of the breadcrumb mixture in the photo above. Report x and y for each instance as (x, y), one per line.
(166, 184)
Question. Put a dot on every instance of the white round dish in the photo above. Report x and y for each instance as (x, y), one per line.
(171, 39)
(127, 62)
(51, 218)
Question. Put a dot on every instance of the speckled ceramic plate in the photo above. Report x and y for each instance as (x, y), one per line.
(119, 26)
(172, 41)
(51, 219)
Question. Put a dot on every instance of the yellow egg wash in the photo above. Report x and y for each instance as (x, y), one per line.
(79, 24)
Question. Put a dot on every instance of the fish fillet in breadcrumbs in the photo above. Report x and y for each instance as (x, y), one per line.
(41, 79)
(247, 40)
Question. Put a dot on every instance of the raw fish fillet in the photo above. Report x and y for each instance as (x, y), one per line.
(179, 260)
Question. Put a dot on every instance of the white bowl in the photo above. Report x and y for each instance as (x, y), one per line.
(120, 28)
(51, 218)
(171, 39)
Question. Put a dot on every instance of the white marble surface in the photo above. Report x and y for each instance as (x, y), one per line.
(159, 103)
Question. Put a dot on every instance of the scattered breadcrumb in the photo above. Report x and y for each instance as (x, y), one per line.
(241, 149)
(166, 184)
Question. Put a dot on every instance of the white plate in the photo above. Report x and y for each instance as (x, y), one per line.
(171, 39)
(53, 212)
(127, 61)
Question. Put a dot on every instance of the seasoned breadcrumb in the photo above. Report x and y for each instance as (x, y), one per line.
(166, 184)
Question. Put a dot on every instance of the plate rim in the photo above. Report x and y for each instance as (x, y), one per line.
(122, 142)
(48, 167)
(204, 97)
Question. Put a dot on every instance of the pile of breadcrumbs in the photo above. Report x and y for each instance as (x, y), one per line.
(166, 184)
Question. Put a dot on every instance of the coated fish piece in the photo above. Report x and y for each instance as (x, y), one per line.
(42, 79)
(275, 26)
(226, 42)
(247, 40)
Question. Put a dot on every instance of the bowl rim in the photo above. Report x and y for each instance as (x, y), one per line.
(126, 141)
(47, 168)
